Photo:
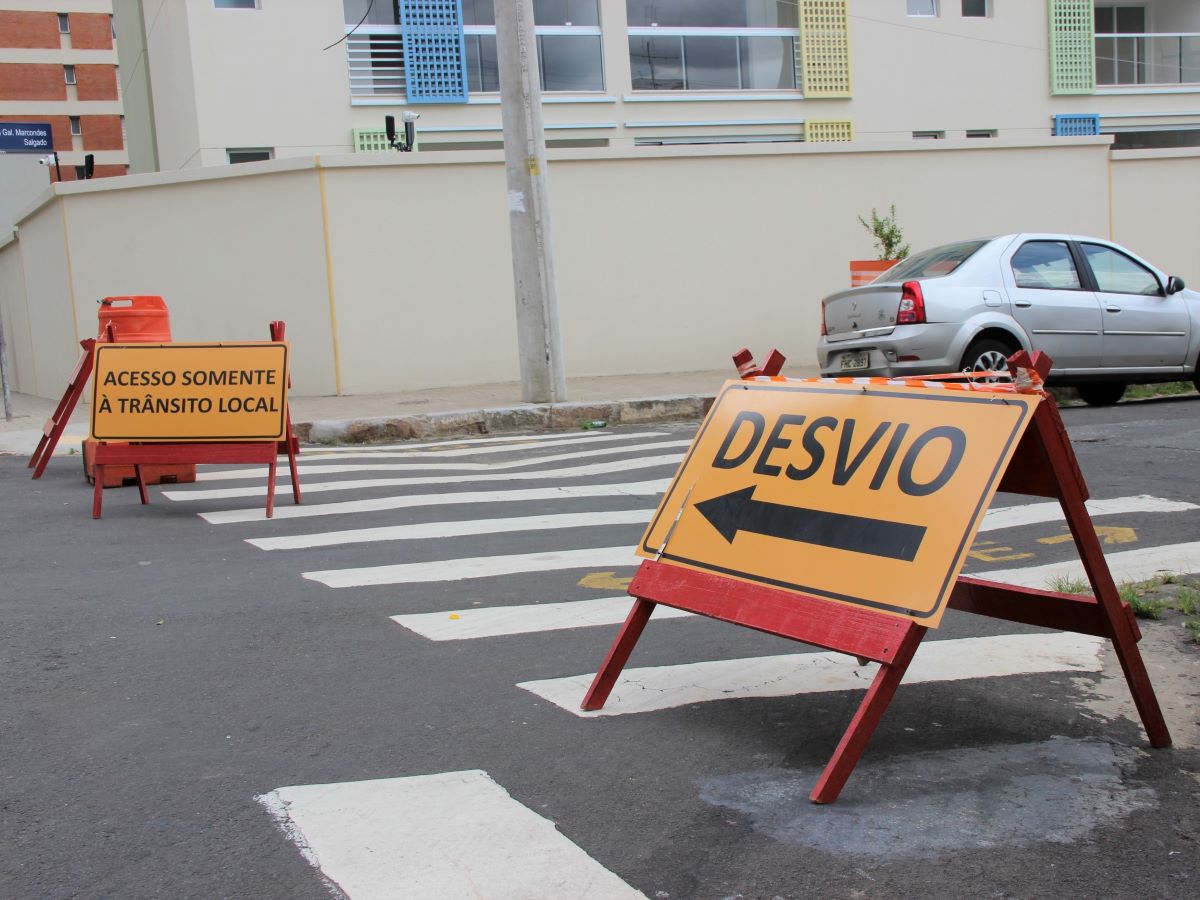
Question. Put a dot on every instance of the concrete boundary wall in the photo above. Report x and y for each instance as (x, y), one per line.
(393, 271)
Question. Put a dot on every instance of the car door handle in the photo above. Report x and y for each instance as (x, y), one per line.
(1024, 304)
(1112, 309)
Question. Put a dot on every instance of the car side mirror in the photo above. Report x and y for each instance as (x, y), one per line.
(1174, 285)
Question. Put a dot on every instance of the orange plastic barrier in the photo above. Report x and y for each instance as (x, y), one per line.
(141, 319)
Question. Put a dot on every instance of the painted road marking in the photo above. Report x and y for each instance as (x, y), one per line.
(476, 567)
(465, 528)
(241, 474)
(608, 468)
(1037, 513)
(1128, 565)
(497, 621)
(467, 446)
(348, 507)
(664, 687)
(454, 834)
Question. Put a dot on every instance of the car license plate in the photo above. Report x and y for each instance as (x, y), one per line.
(854, 361)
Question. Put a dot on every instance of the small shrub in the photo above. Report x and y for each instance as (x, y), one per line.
(889, 238)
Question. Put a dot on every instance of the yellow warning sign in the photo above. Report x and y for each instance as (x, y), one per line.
(867, 494)
(190, 392)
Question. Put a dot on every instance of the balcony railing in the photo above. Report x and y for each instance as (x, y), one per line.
(1147, 59)
(375, 58)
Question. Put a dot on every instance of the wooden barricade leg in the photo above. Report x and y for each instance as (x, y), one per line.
(271, 468)
(98, 491)
(57, 424)
(289, 444)
(618, 654)
(141, 482)
(1062, 461)
(862, 726)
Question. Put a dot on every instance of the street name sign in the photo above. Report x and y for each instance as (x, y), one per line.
(26, 137)
(867, 494)
(191, 393)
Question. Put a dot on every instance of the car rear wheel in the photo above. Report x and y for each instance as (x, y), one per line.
(987, 355)
(1101, 394)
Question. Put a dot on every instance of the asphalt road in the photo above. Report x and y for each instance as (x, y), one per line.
(169, 688)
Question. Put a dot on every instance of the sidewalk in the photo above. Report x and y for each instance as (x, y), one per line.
(444, 412)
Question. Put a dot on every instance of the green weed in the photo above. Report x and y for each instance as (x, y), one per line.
(1188, 600)
(1193, 627)
(1069, 584)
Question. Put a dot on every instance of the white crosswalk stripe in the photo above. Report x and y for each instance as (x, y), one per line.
(471, 498)
(339, 469)
(664, 687)
(453, 834)
(608, 468)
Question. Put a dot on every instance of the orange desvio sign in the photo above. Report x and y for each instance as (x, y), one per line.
(866, 494)
(190, 392)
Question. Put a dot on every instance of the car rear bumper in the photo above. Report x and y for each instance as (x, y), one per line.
(909, 350)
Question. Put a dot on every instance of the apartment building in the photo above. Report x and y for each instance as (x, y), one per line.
(239, 80)
(58, 66)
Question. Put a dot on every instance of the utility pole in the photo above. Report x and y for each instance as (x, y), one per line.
(539, 341)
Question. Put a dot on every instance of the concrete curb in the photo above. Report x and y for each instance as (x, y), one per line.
(505, 420)
(524, 417)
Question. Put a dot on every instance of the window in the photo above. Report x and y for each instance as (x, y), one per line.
(1116, 273)
(69, 74)
(64, 23)
(935, 262)
(976, 9)
(717, 45)
(928, 135)
(238, 4)
(981, 132)
(568, 42)
(76, 126)
(922, 7)
(1046, 265)
(249, 154)
(112, 26)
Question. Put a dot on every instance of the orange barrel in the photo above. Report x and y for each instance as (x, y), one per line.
(139, 319)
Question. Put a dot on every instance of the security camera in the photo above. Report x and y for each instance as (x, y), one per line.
(46, 160)
(409, 116)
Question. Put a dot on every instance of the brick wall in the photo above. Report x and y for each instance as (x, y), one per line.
(32, 81)
(102, 133)
(90, 31)
(96, 82)
(29, 30)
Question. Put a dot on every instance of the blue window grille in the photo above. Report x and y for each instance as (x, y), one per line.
(435, 59)
(1076, 126)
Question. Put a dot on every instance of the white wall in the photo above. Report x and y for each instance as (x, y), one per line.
(668, 259)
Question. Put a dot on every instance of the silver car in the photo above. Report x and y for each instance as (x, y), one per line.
(1105, 316)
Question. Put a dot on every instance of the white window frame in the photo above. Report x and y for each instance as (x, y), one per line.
(255, 6)
(64, 23)
(922, 15)
(76, 126)
(683, 32)
(69, 74)
(987, 10)
(541, 31)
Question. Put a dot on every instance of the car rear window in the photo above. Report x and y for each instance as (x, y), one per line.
(933, 263)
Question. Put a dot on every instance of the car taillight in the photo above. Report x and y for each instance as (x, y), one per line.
(823, 331)
(912, 304)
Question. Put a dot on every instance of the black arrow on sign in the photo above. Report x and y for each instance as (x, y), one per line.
(739, 511)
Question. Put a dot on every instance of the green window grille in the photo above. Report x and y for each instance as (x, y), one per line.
(825, 48)
(370, 140)
(823, 131)
(1072, 47)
